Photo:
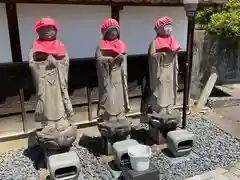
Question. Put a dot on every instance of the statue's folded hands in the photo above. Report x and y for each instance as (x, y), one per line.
(105, 59)
(119, 57)
(159, 54)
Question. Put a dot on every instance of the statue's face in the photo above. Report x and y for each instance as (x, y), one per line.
(168, 29)
(165, 30)
(47, 33)
(112, 34)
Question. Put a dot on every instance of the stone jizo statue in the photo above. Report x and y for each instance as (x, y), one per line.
(163, 68)
(111, 62)
(49, 63)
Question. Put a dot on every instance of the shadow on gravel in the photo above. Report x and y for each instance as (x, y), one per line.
(167, 153)
(36, 154)
(93, 144)
(142, 136)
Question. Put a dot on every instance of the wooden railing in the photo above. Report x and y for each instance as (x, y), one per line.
(18, 93)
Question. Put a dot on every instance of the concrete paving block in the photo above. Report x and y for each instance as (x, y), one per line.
(228, 175)
(195, 178)
(237, 172)
(208, 175)
(233, 170)
(221, 170)
(221, 177)
(229, 167)
(238, 165)
(231, 176)
(235, 178)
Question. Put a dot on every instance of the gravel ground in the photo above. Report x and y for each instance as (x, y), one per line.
(92, 168)
(214, 148)
(14, 165)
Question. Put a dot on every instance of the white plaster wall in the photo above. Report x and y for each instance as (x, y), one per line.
(79, 26)
(5, 48)
(137, 26)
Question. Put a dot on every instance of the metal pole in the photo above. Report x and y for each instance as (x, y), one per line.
(188, 66)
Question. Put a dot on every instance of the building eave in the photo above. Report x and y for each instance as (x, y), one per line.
(123, 2)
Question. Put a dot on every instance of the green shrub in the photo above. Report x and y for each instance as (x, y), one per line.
(203, 17)
(226, 23)
(233, 4)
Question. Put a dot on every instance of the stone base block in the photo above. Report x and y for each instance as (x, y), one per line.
(165, 122)
(64, 166)
(120, 150)
(156, 135)
(151, 173)
(107, 146)
(114, 130)
(180, 142)
(56, 139)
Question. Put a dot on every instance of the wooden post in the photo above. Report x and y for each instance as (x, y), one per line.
(115, 9)
(23, 110)
(11, 12)
(89, 97)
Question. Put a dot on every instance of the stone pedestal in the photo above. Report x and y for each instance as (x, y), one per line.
(64, 166)
(180, 142)
(152, 174)
(156, 135)
(56, 139)
(113, 131)
(56, 143)
(161, 124)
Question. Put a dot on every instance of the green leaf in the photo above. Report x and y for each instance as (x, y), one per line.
(225, 23)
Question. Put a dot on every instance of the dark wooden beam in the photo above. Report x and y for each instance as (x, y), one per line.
(14, 37)
(110, 2)
(100, 2)
(115, 11)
